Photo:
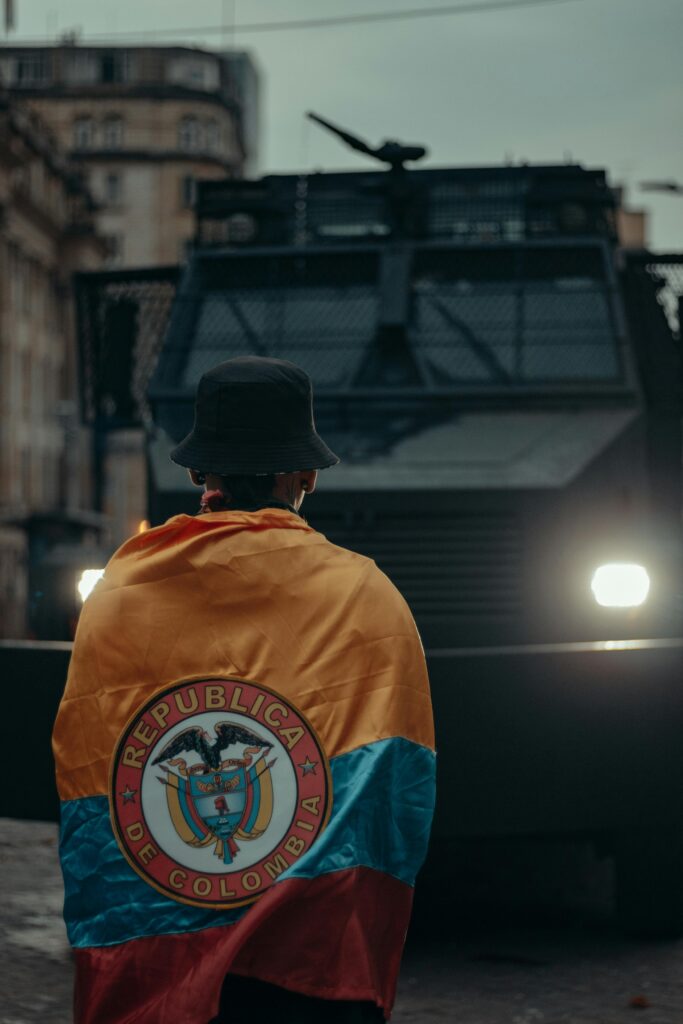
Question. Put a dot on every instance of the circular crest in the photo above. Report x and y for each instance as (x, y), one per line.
(217, 786)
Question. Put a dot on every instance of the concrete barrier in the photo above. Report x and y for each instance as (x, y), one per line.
(557, 739)
(32, 677)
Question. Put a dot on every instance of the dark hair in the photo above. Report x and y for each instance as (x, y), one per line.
(245, 492)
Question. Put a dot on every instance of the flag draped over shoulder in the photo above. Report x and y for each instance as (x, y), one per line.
(245, 762)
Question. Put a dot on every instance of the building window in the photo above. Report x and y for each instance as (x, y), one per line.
(31, 69)
(114, 66)
(25, 476)
(37, 407)
(84, 133)
(189, 133)
(25, 382)
(14, 276)
(188, 191)
(50, 495)
(112, 132)
(81, 68)
(19, 282)
(114, 244)
(39, 294)
(37, 468)
(113, 188)
(213, 136)
(194, 72)
(36, 177)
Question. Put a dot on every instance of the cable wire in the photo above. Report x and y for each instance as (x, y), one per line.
(333, 22)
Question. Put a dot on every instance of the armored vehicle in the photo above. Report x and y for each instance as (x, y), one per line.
(502, 382)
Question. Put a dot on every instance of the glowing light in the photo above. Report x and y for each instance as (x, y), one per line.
(143, 525)
(89, 577)
(620, 585)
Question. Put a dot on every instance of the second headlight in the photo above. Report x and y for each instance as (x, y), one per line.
(620, 585)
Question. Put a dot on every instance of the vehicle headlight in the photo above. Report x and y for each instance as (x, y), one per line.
(620, 585)
(89, 577)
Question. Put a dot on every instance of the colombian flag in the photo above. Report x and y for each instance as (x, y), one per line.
(245, 760)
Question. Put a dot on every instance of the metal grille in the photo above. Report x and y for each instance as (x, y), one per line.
(495, 317)
(343, 214)
(477, 212)
(508, 331)
(473, 205)
(122, 321)
(323, 329)
(458, 565)
(319, 311)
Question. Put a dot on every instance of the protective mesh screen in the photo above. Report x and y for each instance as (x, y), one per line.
(473, 317)
(323, 329)
(541, 331)
(122, 320)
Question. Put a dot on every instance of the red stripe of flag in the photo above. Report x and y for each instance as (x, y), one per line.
(338, 936)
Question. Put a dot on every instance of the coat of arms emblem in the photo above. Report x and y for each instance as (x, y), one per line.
(218, 786)
(216, 800)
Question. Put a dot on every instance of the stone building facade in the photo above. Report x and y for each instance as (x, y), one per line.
(144, 123)
(46, 234)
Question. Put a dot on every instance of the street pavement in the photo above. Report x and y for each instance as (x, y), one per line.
(558, 959)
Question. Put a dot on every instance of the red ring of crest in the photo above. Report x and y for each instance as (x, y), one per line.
(146, 857)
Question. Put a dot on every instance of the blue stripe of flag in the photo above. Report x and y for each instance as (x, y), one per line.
(383, 800)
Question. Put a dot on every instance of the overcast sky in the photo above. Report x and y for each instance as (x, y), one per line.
(598, 80)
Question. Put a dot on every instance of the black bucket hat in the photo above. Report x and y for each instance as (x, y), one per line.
(254, 415)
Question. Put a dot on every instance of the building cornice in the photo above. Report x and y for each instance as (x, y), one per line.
(22, 132)
(25, 207)
(38, 138)
(68, 48)
(122, 92)
(109, 156)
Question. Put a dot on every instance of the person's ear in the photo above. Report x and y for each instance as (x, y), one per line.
(198, 479)
(308, 480)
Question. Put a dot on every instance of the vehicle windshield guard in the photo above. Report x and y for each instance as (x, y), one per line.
(428, 318)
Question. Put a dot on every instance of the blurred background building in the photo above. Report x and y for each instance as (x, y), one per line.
(138, 126)
(47, 232)
(144, 123)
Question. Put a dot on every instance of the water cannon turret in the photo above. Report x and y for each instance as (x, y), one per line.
(391, 152)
